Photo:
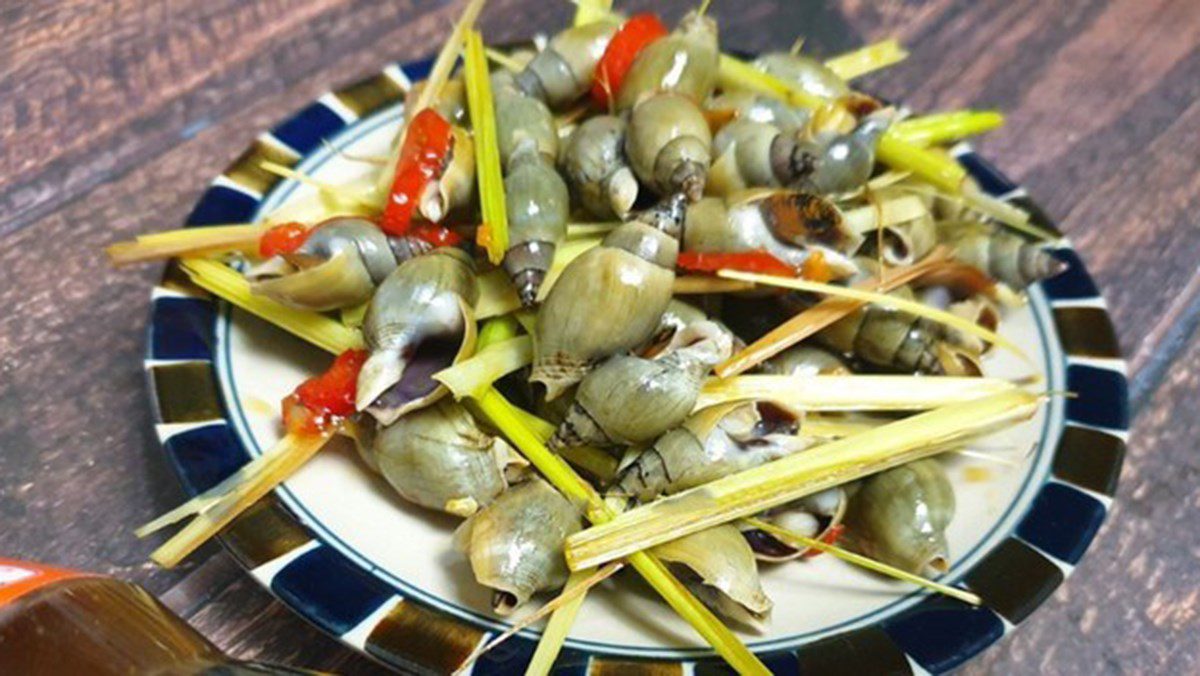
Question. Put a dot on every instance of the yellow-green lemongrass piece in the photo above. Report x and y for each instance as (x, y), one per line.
(882, 299)
(867, 59)
(884, 213)
(733, 73)
(587, 11)
(471, 377)
(1003, 212)
(555, 634)
(836, 427)
(863, 561)
(497, 296)
(755, 490)
(493, 232)
(851, 393)
(690, 285)
(288, 455)
(503, 60)
(352, 317)
(596, 463)
(928, 164)
(443, 65)
(202, 241)
(501, 414)
(341, 197)
(583, 230)
(940, 128)
(497, 330)
(226, 283)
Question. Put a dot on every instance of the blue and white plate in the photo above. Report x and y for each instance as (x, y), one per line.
(340, 548)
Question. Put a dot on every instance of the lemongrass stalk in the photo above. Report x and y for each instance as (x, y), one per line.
(555, 634)
(576, 588)
(229, 285)
(836, 428)
(594, 461)
(206, 241)
(341, 196)
(497, 296)
(940, 128)
(687, 285)
(438, 75)
(792, 477)
(867, 59)
(1004, 212)
(471, 377)
(352, 317)
(851, 393)
(287, 456)
(886, 213)
(733, 73)
(497, 409)
(882, 299)
(930, 165)
(819, 316)
(587, 11)
(497, 330)
(503, 60)
(493, 232)
(865, 562)
(585, 230)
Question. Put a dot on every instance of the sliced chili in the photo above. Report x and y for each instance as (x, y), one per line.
(284, 238)
(324, 400)
(743, 261)
(423, 156)
(629, 41)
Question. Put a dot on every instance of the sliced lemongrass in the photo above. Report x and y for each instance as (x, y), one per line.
(493, 232)
(497, 330)
(867, 59)
(882, 299)
(687, 285)
(851, 393)
(1004, 212)
(733, 73)
(229, 285)
(443, 65)
(884, 213)
(503, 60)
(527, 318)
(819, 316)
(288, 455)
(555, 634)
(596, 462)
(587, 11)
(472, 376)
(338, 195)
(376, 160)
(531, 444)
(940, 128)
(929, 164)
(497, 296)
(836, 428)
(792, 477)
(563, 255)
(576, 588)
(863, 561)
(352, 317)
(205, 240)
(580, 230)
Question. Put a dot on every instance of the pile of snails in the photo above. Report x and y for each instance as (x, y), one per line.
(677, 167)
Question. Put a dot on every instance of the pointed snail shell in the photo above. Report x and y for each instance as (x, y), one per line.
(669, 145)
(594, 162)
(562, 72)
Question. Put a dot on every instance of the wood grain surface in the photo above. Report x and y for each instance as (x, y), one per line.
(114, 116)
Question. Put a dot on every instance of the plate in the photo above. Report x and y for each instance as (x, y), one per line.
(341, 549)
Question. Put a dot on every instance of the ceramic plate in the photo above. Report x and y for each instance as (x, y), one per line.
(340, 548)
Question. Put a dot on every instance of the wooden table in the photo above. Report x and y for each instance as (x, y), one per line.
(113, 117)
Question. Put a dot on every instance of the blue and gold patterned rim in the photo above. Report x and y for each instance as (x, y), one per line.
(368, 612)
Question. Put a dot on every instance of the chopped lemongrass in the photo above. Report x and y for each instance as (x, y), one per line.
(352, 317)
(471, 377)
(837, 427)
(376, 160)
(911, 306)
(555, 634)
(563, 255)
(819, 316)
(939, 128)
(338, 195)
(733, 73)
(202, 241)
(851, 393)
(794, 476)
(503, 60)
(575, 589)
(229, 285)
(587, 11)
(929, 164)
(497, 330)
(699, 284)
(226, 501)
(443, 65)
(496, 296)
(884, 213)
(597, 463)
(581, 230)
(867, 59)
(493, 232)
(1004, 212)
(527, 319)
(531, 444)
(863, 561)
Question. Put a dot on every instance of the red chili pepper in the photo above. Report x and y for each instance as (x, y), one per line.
(284, 238)
(831, 536)
(437, 235)
(423, 156)
(745, 261)
(323, 400)
(629, 41)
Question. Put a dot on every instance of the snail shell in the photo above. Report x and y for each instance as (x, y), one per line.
(684, 62)
(754, 107)
(515, 544)
(807, 360)
(630, 399)
(438, 458)
(900, 516)
(537, 204)
(669, 144)
(594, 161)
(418, 322)
(1004, 256)
(455, 188)
(628, 277)
(337, 266)
(807, 73)
(721, 570)
(814, 516)
(562, 72)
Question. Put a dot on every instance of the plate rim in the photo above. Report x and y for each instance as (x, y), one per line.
(277, 548)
